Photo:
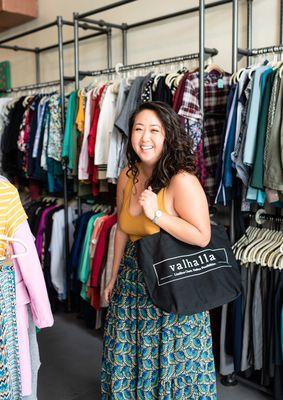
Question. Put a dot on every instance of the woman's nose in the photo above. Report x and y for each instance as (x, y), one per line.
(146, 135)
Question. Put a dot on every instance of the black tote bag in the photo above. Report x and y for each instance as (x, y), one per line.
(186, 279)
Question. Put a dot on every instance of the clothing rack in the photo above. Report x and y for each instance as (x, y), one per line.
(36, 86)
(237, 54)
(262, 217)
(59, 23)
(124, 28)
(164, 61)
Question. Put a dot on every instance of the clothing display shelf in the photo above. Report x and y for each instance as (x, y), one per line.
(148, 64)
(60, 44)
(125, 27)
(237, 54)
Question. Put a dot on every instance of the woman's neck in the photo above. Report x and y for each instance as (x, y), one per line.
(146, 170)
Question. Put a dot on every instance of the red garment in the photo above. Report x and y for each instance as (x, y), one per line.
(94, 123)
(93, 169)
(178, 95)
(101, 249)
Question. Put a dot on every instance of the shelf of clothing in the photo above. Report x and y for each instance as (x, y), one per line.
(237, 54)
(59, 23)
(125, 27)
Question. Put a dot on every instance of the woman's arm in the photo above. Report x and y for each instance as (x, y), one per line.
(120, 239)
(192, 223)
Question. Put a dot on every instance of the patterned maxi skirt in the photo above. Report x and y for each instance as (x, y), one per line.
(151, 354)
(10, 385)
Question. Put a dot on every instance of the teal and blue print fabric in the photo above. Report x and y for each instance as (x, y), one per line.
(10, 385)
(151, 354)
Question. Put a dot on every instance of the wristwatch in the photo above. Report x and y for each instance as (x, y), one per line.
(157, 215)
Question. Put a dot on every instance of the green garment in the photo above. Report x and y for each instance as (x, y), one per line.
(257, 175)
(271, 112)
(5, 76)
(84, 264)
(70, 147)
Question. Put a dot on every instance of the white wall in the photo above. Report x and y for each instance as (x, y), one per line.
(163, 39)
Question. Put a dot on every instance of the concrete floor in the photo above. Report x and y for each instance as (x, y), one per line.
(70, 356)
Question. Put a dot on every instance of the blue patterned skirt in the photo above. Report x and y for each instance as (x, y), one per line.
(151, 354)
(10, 384)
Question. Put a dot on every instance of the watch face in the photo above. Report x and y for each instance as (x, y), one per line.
(158, 213)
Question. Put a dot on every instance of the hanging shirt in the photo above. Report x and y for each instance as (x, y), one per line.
(257, 174)
(70, 135)
(54, 149)
(104, 129)
(215, 100)
(83, 158)
(249, 150)
(107, 271)
(80, 119)
(84, 263)
(57, 264)
(115, 156)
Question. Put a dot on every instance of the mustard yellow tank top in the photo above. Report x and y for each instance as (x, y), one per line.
(138, 226)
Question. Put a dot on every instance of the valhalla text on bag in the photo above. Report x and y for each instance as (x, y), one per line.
(186, 279)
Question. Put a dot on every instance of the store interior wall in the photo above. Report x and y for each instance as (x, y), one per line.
(168, 38)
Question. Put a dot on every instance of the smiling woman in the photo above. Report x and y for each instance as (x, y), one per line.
(149, 353)
(148, 136)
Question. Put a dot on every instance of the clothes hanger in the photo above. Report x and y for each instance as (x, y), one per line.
(244, 241)
(9, 239)
(272, 249)
(260, 235)
(214, 67)
(268, 241)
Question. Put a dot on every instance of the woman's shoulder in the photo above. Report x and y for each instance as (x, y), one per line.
(182, 178)
(123, 178)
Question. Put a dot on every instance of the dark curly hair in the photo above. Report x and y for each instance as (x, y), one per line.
(177, 153)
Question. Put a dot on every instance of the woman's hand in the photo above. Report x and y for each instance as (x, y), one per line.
(107, 294)
(149, 203)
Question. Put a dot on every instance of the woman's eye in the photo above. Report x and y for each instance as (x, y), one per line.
(155, 131)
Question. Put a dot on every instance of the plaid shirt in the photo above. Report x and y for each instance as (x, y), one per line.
(216, 88)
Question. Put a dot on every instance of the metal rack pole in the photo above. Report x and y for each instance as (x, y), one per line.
(147, 64)
(177, 14)
(249, 29)
(76, 50)
(77, 78)
(19, 35)
(201, 54)
(16, 48)
(64, 163)
(235, 37)
(109, 48)
(281, 23)
(125, 43)
(234, 69)
(105, 8)
(37, 65)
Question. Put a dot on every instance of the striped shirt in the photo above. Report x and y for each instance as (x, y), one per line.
(12, 214)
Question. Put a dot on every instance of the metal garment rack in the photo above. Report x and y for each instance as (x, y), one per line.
(124, 28)
(59, 23)
(237, 54)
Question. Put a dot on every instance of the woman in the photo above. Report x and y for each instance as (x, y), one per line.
(148, 353)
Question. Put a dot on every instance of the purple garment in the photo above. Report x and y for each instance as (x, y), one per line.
(39, 236)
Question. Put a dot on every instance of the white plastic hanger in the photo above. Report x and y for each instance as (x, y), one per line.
(8, 239)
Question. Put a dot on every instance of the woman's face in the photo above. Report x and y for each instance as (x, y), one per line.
(148, 137)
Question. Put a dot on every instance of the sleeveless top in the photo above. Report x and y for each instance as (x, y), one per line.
(138, 226)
